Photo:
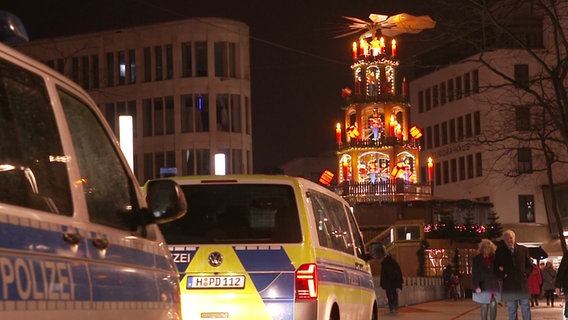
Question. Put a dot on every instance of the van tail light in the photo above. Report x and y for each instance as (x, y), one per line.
(307, 282)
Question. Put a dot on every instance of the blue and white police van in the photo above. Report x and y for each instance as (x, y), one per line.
(78, 240)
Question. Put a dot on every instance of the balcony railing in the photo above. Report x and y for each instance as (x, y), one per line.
(382, 142)
(389, 190)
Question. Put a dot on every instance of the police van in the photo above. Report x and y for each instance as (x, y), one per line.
(77, 238)
(269, 247)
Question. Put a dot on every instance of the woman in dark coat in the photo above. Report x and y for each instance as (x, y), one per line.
(485, 284)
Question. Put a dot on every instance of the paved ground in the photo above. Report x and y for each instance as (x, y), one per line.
(465, 310)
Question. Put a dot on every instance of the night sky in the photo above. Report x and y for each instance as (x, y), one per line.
(298, 67)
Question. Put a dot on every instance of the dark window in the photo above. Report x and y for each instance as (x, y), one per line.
(236, 161)
(478, 165)
(75, 69)
(148, 166)
(188, 162)
(450, 90)
(169, 62)
(158, 116)
(169, 115)
(454, 170)
(222, 112)
(147, 118)
(30, 139)
(85, 76)
(201, 106)
(247, 116)
(221, 64)
(475, 81)
(524, 160)
(96, 74)
(523, 118)
(468, 126)
(110, 193)
(428, 99)
(459, 88)
(420, 101)
(460, 128)
(429, 138)
(201, 59)
(159, 162)
(444, 133)
(526, 208)
(435, 96)
(438, 173)
(436, 135)
(61, 66)
(461, 170)
(159, 63)
(203, 161)
(236, 113)
(187, 114)
(522, 75)
(239, 213)
(469, 166)
(467, 84)
(476, 123)
(446, 175)
(186, 60)
(121, 67)
(132, 64)
(147, 64)
(452, 130)
(443, 93)
(110, 69)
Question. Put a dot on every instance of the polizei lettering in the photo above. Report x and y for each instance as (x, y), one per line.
(30, 279)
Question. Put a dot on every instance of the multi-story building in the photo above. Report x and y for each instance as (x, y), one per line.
(480, 131)
(185, 83)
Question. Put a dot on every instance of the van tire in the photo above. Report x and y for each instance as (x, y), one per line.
(375, 314)
(334, 315)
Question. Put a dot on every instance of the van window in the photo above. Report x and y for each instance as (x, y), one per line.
(108, 190)
(236, 213)
(33, 169)
(357, 236)
(333, 229)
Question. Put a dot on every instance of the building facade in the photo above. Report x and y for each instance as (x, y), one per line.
(480, 131)
(185, 83)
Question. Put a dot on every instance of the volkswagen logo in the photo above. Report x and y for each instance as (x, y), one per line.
(215, 259)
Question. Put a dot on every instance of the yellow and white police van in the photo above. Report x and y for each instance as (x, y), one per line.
(78, 240)
(269, 247)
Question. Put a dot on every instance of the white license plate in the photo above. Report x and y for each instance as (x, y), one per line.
(216, 282)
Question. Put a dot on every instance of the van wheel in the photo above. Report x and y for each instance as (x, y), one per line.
(375, 314)
(334, 315)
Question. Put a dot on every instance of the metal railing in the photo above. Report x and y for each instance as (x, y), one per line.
(386, 190)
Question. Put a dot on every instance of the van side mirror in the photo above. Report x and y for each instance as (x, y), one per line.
(166, 201)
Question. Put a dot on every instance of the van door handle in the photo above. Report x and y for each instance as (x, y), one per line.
(72, 238)
(358, 265)
(101, 244)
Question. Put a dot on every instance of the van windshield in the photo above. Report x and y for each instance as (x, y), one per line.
(236, 213)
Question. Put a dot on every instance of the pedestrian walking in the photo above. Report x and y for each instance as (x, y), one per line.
(513, 266)
(535, 281)
(391, 281)
(562, 279)
(548, 280)
(485, 284)
(447, 276)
